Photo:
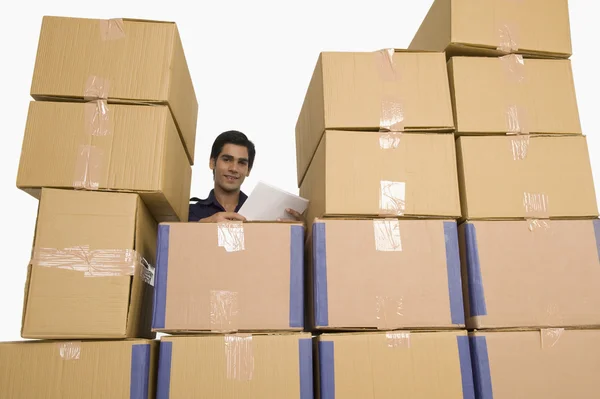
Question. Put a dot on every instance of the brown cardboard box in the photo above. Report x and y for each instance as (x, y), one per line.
(513, 95)
(121, 60)
(81, 369)
(552, 364)
(395, 365)
(371, 90)
(471, 27)
(539, 274)
(229, 277)
(385, 274)
(136, 150)
(505, 177)
(238, 366)
(87, 277)
(373, 174)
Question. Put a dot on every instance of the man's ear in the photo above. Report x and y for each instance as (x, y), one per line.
(211, 164)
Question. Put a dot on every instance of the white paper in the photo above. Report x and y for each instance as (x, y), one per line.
(268, 203)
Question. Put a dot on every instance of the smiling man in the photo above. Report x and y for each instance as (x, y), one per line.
(231, 159)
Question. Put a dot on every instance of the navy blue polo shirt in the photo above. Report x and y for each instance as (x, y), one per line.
(209, 206)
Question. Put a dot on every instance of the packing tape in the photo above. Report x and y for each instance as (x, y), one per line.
(70, 350)
(508, 38)
(536, 205)
(398, 339)
(88, 167)
(96, 88)
(537, 224)
(388, 312)
(96, 262)
(387, 235)
(97, 118)
(390, 140)
(519, 146)
(550, 337)
(111, 29)
(392, 198)
(239, 357)
(391, 118)
(231, 236)
(516, 111)
(224, 311)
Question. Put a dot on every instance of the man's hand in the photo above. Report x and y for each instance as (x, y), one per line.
(223, 217)
(296, 216)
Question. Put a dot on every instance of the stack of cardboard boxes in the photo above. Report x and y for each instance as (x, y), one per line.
(107, 150)
(530, 242)
(376, 158)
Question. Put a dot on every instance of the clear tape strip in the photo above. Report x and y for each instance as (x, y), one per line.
(520, 147)
(508, 38)
(70, 350)
(97, 118)
(398, 339)
(96, 88)
(388, 312)
(391, 117)
(88, 167)
(387, 235)
(96, 262)
(392, 198)
(388, 141)
(550, 337)
(536, 205)
(231, 236)
(224, 311)
(239, 355)
(112, 29)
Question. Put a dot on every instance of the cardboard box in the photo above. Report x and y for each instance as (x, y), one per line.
(395, 365)
(122, 60)
(532, 364)
(538, 28)
(407, 91)
(531, 274)
(505, 177)
(513, 95)
(91, 272)
(385, 274)
(375, 174)
(241, 366)
(81, 369)
(137, 149)
(223, 277)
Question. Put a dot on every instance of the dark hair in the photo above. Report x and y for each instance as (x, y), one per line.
(233, 137)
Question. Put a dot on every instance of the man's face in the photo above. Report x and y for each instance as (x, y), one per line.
(231, 167)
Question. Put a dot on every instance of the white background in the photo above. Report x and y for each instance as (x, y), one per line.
(251, 62)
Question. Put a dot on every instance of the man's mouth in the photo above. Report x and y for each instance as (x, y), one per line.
(231, 178)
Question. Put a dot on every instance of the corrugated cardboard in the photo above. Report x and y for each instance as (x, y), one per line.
(385, 274)
(372, 174)
(229, 277)
(519, 274)
(510, 94)
(473, 27)
(551, 364)
(141, 153)
(75, 300)
(131, 61)
(239, 366)
(362, 91)
(395, 365)
(79, 369)
(525, 177)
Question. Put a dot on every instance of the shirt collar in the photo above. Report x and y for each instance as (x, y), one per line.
(212, 200)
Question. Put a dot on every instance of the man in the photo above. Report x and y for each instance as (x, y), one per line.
(231, 159)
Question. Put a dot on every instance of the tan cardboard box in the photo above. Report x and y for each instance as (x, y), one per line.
(217, 277)
(552, 364)
(91, 273)
(504, 177)
(405, 91)
(538, 28)
(112, 147)
(513, 95)
(385, 274)
(399, 364)
(122, 60)
(78, 369)
(531, 274)
(375, 174)
(240, 366)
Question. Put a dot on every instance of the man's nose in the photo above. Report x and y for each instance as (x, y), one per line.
(233, 167)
